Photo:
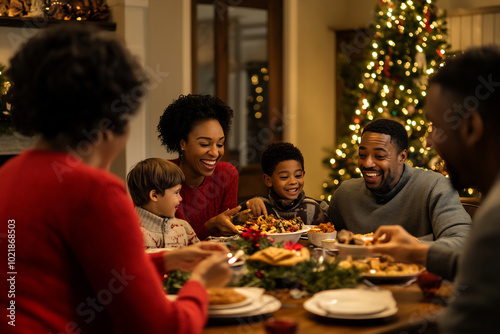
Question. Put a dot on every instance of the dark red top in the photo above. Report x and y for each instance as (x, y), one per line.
(79, 259)
(217, 193)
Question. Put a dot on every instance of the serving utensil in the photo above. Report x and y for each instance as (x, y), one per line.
(235, 257)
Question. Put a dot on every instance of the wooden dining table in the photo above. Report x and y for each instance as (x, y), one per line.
(416, 314)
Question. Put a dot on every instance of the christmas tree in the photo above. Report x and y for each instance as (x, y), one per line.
(407, 45)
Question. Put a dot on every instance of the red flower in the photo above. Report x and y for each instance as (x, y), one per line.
(251, 234)
(291, 246)
(259, 274)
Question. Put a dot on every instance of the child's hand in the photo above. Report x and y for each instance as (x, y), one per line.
(257, 206)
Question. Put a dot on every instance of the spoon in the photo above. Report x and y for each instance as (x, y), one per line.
(233, 259)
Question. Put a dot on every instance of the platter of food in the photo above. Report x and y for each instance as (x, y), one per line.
(270, 225)
(384, 269)
(354, 245)
(280, 256)
(320, 232)
(226, 298)
(277, 229)
(237, 302)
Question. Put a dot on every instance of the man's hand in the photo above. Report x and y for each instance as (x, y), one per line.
(395, 241)
(257, 206)
(222, 223)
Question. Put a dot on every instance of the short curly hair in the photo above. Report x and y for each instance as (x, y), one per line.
(152, 174)
(399, 136)
(278, 152)
(180, 117)
(72, 80)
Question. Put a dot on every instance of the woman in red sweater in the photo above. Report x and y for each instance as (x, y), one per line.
(196, 127)
(76, 257)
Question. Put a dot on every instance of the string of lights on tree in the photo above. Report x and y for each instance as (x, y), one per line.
(6, 127)
(407, 46)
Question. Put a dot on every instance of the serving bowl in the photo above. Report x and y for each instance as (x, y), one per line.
(317, 238)
(290, 236)
(355, 251)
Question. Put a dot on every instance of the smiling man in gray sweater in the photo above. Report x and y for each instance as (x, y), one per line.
(393, 193)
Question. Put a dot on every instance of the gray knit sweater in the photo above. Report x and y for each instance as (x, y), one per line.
(423, 202)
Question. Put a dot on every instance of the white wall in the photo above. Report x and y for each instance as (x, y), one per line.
(309, 95)
(168, 53)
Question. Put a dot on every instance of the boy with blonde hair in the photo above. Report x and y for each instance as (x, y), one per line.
(154, 185)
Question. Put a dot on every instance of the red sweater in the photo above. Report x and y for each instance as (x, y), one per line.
(217, 193)
(79, 256)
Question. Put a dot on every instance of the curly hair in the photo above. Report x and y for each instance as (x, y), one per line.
(72, 80)
(396, 130)
(278, 152)
(180, 117)
(152, 174)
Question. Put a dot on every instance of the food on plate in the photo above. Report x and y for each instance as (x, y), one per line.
(222, 296)
(348, 238)
(280, 256)
(323, 228)
(383, 266)
(272, 225)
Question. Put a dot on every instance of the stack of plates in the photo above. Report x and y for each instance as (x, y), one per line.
(352, 304)
(256, 303)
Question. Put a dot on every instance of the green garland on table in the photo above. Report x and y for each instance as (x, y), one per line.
(309, 275)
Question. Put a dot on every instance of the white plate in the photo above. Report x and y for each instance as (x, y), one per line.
(356, 251)
(257, 303)
(350, 307)
(251, 294)
(390, 278)
(266, 304)
(382, 298)
(317, 238)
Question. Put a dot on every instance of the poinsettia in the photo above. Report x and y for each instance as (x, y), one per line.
(251, 241)
(292, 246)
(251, 234)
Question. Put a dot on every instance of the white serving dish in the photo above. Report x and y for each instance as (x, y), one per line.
(316, 238)
(284, 237)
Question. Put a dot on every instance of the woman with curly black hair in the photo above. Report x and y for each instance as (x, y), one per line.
(80, 264)
(196, 127)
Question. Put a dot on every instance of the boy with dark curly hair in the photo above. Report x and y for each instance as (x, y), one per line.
(154, 185)
(283, 167)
